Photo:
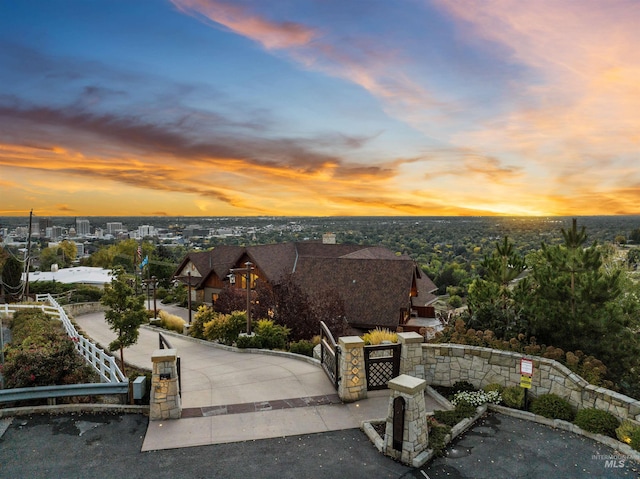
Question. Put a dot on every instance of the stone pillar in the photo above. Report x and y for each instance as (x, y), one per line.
(415, 436)
(165, 399)
(411, 355)
(353, 379)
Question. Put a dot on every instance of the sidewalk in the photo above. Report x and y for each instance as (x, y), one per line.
(230, 396)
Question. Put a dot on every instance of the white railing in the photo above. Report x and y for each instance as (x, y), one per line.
(104, 364)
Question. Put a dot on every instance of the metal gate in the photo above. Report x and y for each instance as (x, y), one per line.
(381, 364)
(329, 354)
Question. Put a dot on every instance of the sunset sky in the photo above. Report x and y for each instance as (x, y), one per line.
(319, 107)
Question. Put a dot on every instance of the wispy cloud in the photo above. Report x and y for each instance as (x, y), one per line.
(271, 34)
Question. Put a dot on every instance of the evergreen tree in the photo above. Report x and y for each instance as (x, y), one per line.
(11, 278)
(495, 302)
(125, 314)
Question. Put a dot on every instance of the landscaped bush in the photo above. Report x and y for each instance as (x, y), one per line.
(494, 387)
(268, 335)
(272, 335)
(378, 335)
(553, 407)
(437, 435)
(597, 421)
(225, 328)
(635, 439)
(462, 411)
(513, 396)
(626, 431)
(171, 322)
(460, 386)
(476, 398)
(41, 354)
(203, 315)
(303, 347)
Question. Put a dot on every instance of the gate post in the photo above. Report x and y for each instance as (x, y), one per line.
(411, 355)
(165, 397)
(353, 382)
(411, 447)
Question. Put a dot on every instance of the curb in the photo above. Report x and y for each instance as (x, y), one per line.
(71, 408)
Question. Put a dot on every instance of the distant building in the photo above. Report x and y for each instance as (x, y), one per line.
(83, 227)
(54, 232)
(114, 228)
(78, 275)
(146, 230)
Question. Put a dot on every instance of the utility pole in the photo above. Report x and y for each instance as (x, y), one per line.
(27, 258)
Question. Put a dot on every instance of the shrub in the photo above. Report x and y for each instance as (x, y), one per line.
(378, 335)
(225, 328)
(203, 315)
(303, 347)
(476, 398)
(245, 342)
(553, 407)
(437, 436)
(635, 439)
(452, 417)
(272, 336)
(493, 387)
(171, 322)
(460, 386)
(41, 354)
(597, 421)
(513, 396)
(626, 430)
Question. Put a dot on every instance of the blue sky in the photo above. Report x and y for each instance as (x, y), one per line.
(319, 107)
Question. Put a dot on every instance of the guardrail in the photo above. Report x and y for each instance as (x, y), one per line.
(69, 390)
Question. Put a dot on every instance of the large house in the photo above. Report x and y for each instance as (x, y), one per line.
(378, 287)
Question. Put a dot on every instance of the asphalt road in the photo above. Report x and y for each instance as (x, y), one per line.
(97, 446)
(105, 445)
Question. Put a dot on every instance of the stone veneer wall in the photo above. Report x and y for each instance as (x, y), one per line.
(444, 364)
(77, 309)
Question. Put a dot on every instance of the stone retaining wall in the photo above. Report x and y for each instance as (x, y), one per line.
(77, 309)
(444, 364)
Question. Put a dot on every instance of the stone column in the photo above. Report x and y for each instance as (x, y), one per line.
(415, 436)
(353, 379)
(165, 399)
(411, 355)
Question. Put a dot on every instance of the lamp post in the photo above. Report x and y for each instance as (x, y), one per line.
(155, 286)
(189, 295)
(247, 270)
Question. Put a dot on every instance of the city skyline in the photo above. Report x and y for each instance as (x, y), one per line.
(248, 108)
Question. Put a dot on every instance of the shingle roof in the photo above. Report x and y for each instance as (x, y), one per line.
(373, 291)
(373, 282)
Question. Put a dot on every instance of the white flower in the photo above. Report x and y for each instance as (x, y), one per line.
(477, 398)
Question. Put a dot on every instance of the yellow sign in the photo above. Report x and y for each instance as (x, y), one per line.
(525, 382)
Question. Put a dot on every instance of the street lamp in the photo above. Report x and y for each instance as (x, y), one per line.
(247, 270)
(189, 296)
(155, 287)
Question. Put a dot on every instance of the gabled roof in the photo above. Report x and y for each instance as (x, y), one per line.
(218, 260)
(373, 291)
(275, 261)
(374, 282)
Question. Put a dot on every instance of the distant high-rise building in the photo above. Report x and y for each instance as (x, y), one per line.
(114, 228)
(83, 227)
(54, 232)
(146, 230)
